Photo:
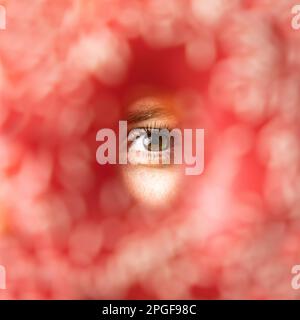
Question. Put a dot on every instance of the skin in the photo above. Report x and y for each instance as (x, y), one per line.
(152, 185)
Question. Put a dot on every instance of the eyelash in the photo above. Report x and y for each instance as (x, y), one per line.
(149, 157)
(155, 125)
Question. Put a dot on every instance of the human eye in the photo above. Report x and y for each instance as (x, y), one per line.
(150, 146)
(150, 175)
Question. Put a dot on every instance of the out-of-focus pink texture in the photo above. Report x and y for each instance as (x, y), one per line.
(68, 228)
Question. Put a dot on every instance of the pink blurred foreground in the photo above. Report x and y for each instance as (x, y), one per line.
(69, 228)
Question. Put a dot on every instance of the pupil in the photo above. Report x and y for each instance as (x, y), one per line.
(156, 142)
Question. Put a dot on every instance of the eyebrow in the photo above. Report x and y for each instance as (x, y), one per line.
(146, 114)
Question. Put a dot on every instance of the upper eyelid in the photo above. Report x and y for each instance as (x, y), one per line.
(139, 131)
(154, 127)
(136, 132)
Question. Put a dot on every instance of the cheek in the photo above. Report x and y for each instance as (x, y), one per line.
(152, 186)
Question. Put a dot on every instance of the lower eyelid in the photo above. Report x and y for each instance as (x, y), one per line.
(151, 159)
